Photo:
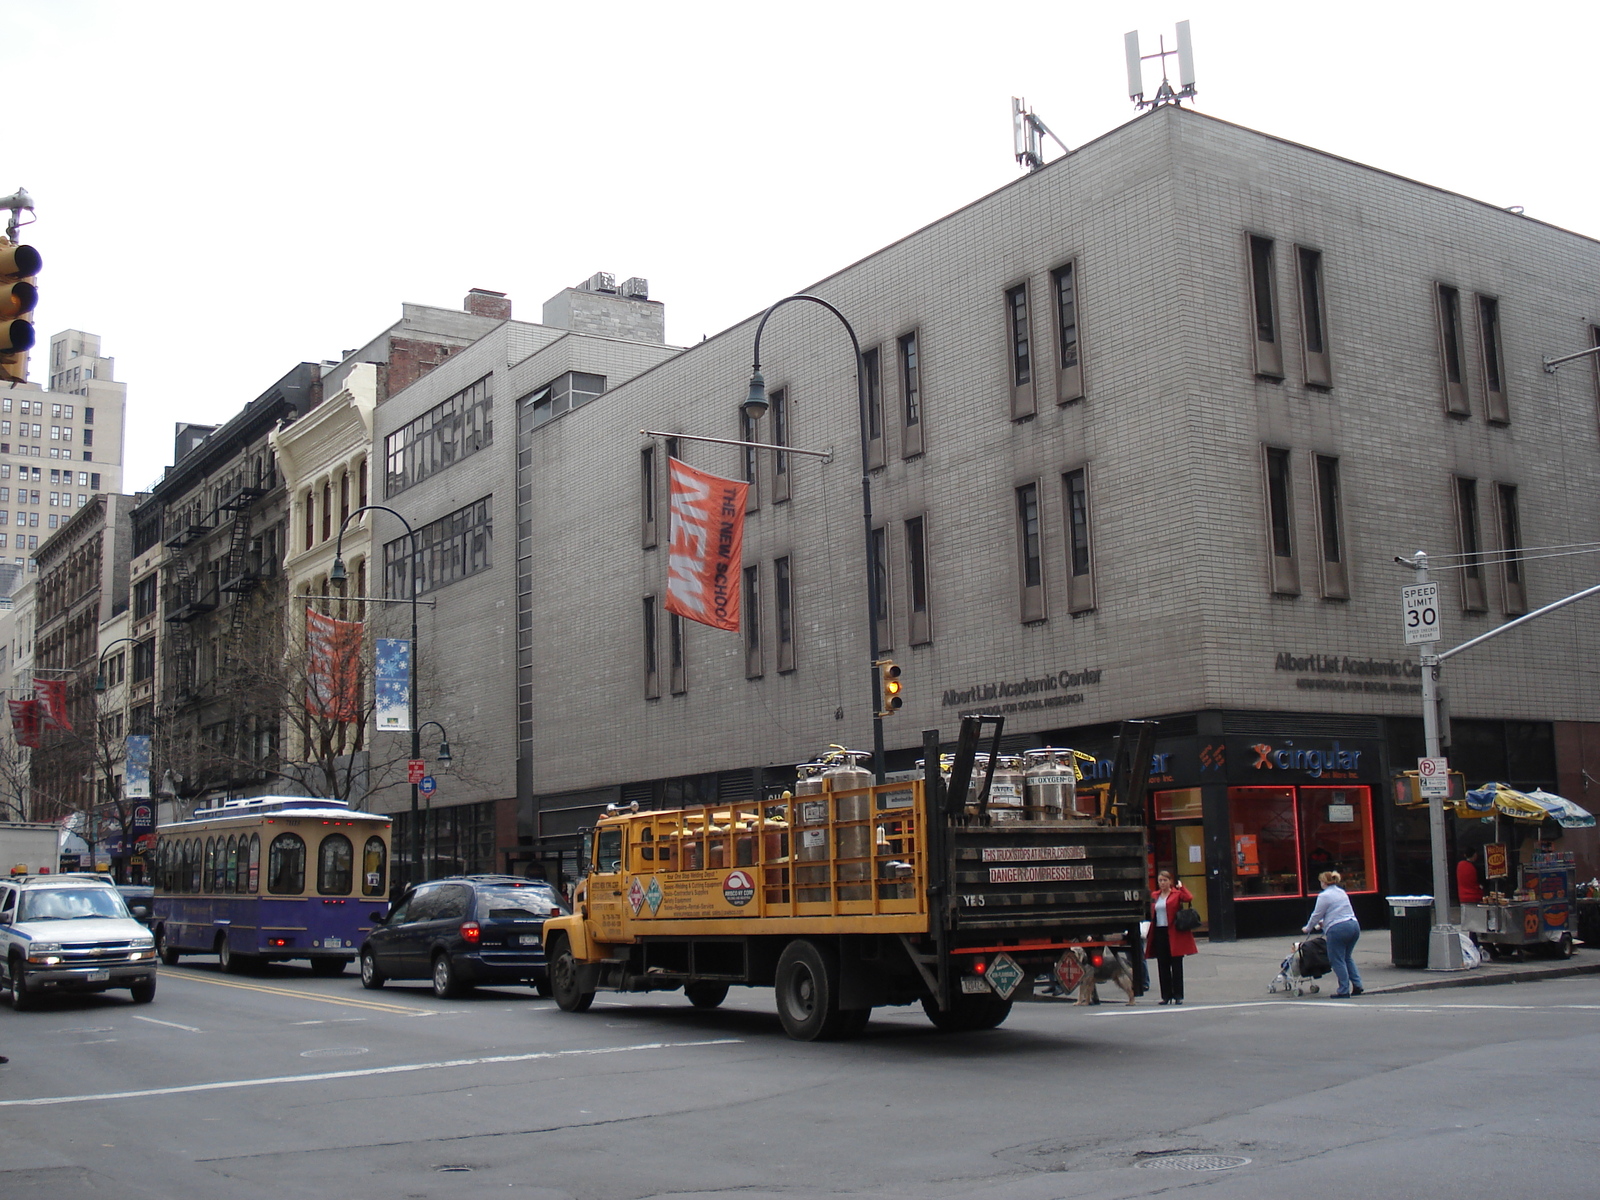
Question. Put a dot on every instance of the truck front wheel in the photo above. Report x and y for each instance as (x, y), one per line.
(967, 1012)
(807, 987)
(570, 997)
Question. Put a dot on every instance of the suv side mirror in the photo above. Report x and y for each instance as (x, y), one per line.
(140, 911)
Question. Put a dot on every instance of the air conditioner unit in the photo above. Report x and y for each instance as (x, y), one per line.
(601, 281)
(636, 288)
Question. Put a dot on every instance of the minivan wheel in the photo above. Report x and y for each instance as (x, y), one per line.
(445, 983)
(371, 978)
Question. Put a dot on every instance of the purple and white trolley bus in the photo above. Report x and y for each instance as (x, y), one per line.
(268, 879)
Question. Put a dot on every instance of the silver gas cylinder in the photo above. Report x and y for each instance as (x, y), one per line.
(1051, 781)
(1005, 792)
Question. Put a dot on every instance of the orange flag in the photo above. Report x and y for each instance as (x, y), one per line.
(706, 546)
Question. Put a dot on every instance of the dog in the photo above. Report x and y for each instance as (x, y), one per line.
(1103, 965)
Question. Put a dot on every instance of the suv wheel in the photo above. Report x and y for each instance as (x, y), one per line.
(145, 992)
(445, 984)
(371, 978)
(21, 998)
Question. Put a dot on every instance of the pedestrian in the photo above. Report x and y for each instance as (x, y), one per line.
(1168, 944)
(1337, 920)
(1468, 889)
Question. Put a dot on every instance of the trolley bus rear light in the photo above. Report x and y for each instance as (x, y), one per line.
(278, 942)
(470, 933)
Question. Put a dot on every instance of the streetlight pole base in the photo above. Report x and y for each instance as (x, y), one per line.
(1444, 949)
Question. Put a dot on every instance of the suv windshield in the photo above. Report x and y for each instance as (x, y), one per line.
(517, 903)
(69, 904)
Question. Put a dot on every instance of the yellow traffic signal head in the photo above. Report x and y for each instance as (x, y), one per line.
(889, 674)
(18, 298)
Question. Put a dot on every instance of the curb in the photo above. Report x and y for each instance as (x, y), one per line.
(1471, 978)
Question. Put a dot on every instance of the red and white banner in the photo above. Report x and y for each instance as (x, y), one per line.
(706, 546)
(333, 667)
(25, 721)
(52, 697)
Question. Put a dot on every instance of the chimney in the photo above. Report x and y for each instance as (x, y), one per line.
(481, 302)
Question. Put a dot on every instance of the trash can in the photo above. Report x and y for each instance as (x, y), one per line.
(1410, 921)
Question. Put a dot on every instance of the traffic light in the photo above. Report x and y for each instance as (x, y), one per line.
(889, 679)
(18, 298)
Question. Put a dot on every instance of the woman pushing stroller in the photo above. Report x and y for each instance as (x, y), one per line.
(1337, 920)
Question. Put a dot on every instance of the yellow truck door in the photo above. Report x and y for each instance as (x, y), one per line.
(605, 884)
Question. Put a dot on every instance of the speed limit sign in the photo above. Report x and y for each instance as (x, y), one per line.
(1420, 603)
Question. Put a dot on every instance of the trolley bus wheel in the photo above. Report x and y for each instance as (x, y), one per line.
(706, 995)
(564, 978)
(968, 1013)
(807, 987)
(445, 982)
(167, 953)
(329, 966)
(371, 977)
(231, 962)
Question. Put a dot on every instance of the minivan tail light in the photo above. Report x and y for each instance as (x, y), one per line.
(470, 933)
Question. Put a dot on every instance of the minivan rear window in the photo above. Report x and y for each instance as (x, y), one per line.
(518, 903)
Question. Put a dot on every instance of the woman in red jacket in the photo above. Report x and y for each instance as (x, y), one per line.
(1167, 944)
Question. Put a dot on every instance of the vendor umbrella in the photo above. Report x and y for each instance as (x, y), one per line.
(1566, 814)
(1499, 798)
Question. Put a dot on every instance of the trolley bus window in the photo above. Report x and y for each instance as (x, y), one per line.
(373, 867)
(194, 865)
(208, 877)
(286, 865)
(608, 855)
(231, 881)
(335, 861)
(255, 862)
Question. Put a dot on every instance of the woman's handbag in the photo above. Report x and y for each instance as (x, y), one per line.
(1187, 920)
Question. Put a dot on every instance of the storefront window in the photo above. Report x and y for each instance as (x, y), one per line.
(1182, 804)
(1336, 831)
(1266, 841)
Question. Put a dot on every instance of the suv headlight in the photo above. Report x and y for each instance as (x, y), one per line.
(44, 948)
(144, 943)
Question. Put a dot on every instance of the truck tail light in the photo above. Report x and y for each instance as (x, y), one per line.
(980, 966)
(470, 933)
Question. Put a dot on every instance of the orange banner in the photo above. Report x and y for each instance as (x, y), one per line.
(706, 546)
(52, 697)
(333, 667)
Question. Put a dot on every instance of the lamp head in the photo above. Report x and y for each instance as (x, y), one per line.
(338, 574)
(755, 404)
(100, 682)
(444, 752)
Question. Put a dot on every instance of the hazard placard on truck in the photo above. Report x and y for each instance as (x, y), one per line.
(854, 896)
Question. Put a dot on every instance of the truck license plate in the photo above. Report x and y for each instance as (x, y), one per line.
(99, 976)
(974, 983)
(529, 939)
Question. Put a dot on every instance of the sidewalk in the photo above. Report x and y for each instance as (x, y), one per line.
(1227, 972)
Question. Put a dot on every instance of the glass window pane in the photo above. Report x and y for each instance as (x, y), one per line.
(1266, 841)
(1336, 831)
(374, 867)
(335, 860)
(286, 865)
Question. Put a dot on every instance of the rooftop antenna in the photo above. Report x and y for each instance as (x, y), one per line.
(1026, 131)
(1165, 93)
(18, 202)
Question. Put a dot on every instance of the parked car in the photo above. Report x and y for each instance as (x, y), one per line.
(60, 933)
(463, 931)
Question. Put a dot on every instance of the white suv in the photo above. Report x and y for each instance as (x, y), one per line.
(60, 934)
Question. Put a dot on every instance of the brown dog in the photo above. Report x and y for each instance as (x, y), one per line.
(1102, 966)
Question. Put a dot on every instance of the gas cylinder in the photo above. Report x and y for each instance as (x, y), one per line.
(1051, 783)
(1005, 792)
(845, 772)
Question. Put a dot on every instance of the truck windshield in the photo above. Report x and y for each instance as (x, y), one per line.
(70, 904)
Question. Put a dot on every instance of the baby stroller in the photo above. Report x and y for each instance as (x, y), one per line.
(1308, 960)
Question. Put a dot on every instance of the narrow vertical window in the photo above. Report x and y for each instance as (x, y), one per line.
(311, 520)
(872, 384)
(920, 623)
(778, 408)
(880, 586)
(1494, 385)
(1313, 320)
(1452, 351)
(1080, 574)
(783, 605)
(1280, 523)
(679, 663)
(910, 396)
(327, 510)
(1473, 598)
(1069, 370)
(749, 456)
(1021, 344)
(1516, 588)
(652, 678)
(1264, 308)
(647, 495)
(754, 667)
(1030, 561)
(1330, 529)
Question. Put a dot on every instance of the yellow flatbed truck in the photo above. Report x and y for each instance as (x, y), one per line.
(848, 899)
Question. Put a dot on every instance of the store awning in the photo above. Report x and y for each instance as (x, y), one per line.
(1533, 807)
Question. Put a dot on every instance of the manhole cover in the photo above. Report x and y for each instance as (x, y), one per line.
(334, 1052)
(1194, 1162)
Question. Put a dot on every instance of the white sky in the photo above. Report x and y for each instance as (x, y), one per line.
(227, 189)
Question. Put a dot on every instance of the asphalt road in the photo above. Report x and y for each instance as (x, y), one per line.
(281, 1085)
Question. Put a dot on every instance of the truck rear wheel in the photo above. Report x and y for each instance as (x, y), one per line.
(564, 978)
(706, 995)
(967, 1012)
(807, 987)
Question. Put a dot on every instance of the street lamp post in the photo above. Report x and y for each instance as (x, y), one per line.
(755, 406)
(338, 575)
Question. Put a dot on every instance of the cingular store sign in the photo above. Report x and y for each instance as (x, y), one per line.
(1265, 760)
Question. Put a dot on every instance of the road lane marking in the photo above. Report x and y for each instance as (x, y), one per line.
(372, 1005)
(404, 1068)
(168, 1024)
(330, 1021)
(1378, 1002)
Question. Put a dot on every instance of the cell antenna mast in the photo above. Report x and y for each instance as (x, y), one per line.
(1028, 133)
(1165, 94)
